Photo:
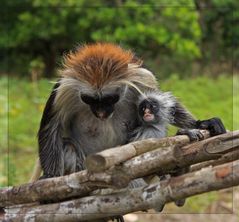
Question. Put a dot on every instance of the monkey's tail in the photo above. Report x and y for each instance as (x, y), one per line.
(36, 172)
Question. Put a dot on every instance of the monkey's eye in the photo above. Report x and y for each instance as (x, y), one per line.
(154, 105)
(87, 99)
(110, 99)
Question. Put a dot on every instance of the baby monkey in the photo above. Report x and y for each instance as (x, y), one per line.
(155, 112)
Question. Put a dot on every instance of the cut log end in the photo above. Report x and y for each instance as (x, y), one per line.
(95, 163)
(120, 179)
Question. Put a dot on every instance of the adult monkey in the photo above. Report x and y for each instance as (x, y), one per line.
(93, 106)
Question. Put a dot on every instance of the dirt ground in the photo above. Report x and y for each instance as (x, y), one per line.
(226, 209)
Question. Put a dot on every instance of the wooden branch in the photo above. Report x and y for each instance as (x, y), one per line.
(228, 157)
(164, 160)
(152, 196)
(59, 188)
(161, 161)
(101, 161)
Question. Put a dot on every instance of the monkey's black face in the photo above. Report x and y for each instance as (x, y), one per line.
(101, 106)
(148, 111)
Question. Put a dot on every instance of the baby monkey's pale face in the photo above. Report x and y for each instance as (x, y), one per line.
(148, 111)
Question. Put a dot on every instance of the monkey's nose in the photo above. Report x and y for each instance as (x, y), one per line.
(147, 111)
(101, 115)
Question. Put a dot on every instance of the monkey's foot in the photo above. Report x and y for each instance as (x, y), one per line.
(159, 208)
(193, 134)
(118, 218)
(214, 126)
(177, 172)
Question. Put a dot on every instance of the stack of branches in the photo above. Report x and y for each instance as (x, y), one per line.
(214, 165)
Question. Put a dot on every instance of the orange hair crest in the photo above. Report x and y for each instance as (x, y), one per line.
(99, 63)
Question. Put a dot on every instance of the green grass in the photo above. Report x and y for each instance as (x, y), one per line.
(25, 102)
(203, 96)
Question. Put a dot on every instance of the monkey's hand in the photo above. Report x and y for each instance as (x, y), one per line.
(193, 134)
(213, 125)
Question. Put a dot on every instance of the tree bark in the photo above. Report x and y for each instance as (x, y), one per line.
(228, 157)
(164, 160)
(59, 188)
(160, 161)
(152, 196)
(49, 59)
(103, 160)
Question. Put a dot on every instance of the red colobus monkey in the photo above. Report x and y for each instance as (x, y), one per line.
(94, 104)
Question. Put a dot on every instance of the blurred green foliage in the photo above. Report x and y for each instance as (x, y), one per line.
(172, 35)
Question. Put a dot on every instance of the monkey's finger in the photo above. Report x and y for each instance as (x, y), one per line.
(200, 136)
(193, 135)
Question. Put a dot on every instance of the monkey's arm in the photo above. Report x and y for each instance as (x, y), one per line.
(183, 119)
(50, 140)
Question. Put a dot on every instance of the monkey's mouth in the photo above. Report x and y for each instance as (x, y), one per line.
(148, 117)
(103, 115)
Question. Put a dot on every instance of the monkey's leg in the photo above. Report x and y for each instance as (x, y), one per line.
(178, 172)
(73, 157)
(194, 135)
(73, 161)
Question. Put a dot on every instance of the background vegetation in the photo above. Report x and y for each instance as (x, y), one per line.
(191, 46)
(190, 35)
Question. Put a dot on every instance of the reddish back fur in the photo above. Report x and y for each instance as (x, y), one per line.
(99, 63)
